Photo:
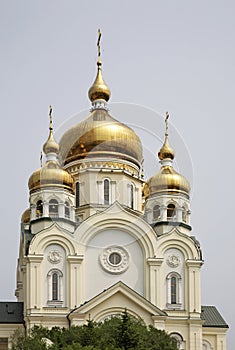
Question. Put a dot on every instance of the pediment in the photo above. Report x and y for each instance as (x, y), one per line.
(115, 300)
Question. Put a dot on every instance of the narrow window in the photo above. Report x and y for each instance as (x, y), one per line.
(53, 208)
(66, 210)
(106, 191)
(77, 194)
(55, 286)
(132, 196)
(170, 211)
(39, 208)
(156, 212)
(173, 290)
(184, 214)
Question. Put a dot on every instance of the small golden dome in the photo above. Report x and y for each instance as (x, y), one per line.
(25, 218)
(50, 175)
(99, 90)
(166, 150)
(100, 136)
(167, 180)
(51, 146)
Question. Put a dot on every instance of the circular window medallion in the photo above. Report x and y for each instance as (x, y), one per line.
(173, 260)
(54, 256)
(114, 259)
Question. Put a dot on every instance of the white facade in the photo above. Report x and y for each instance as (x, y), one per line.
(108, 247)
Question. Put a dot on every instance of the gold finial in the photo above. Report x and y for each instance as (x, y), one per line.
(51, 146)
(98, 46)
(166, 121)
(41, 159)
(166, 151)
(50, 115)
(99, 90)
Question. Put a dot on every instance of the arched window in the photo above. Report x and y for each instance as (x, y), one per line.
(106, 192)
(206, 345)
(178, 340)
(132, 196)
(174, 290)
(171, 211)
(184, 214)
(39, 208)
(77, 194)
(53, 208)
(66, 210)
(55, 287)
(156, 213)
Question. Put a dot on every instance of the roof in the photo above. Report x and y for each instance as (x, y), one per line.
(212, 318)
(11, 312)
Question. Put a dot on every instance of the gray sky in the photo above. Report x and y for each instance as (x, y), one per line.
(173, 55)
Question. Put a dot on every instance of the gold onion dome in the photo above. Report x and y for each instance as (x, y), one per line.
(25, 218)
(51, 174)
(99, 90)
(100, 135)
(167, 180)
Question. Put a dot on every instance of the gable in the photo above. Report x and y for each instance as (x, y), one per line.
(113, 301)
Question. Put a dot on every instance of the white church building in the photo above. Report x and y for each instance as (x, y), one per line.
(98, 238)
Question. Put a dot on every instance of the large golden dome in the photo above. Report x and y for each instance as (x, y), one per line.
(100, 136)
(50, 175)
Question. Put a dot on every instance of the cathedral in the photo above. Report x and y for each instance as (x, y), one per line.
(98, 238)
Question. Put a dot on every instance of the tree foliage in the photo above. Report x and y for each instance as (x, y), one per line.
(117, 333)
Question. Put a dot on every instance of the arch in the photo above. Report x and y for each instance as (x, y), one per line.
(116, 216)
(156, 212)
(206, 345)
(55, 286)
(115, 311)
(39, 208)
(171, 211)
(53, 208)
(178, 240)
(174, 290)
(44, 239)
(178, 339)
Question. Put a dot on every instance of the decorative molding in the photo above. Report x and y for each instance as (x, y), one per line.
(114, 260)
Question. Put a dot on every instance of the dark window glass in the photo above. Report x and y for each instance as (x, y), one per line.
(173, 290)
(170, 211)
(53, 208)
(115, 258)
(66, 210)
(132, 197)
(39, 208)
(156, 212)
(106, 191)
(55, 286)
(77, 194)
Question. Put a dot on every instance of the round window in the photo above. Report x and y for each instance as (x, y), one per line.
(114, 259)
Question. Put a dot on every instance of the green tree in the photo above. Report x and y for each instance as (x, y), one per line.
(122, 332)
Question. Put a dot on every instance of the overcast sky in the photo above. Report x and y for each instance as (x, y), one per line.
(175, 56)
